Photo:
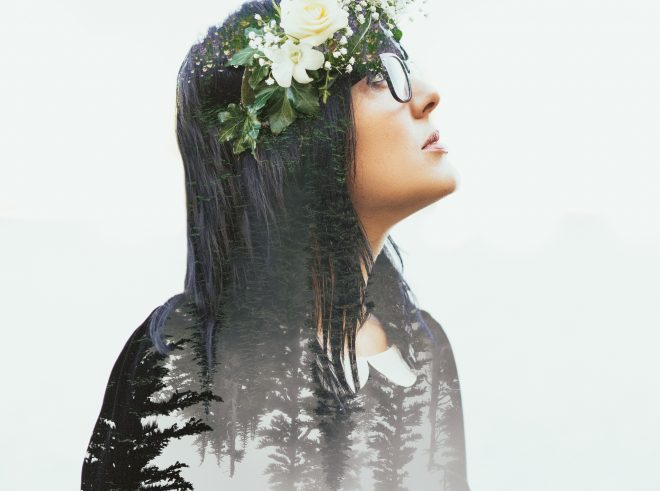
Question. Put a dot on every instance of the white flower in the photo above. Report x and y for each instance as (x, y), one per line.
(349, 31)
(327, 65)
(293, 60)
(312, 21)
(360, 18)
(257, 16)
(375, 15)
(343, 40)
(252, 35)
(270, 38)
(343, 51)
(352, 61)
(336, 54)
(262, 62)
(270, 81)
(349, 68)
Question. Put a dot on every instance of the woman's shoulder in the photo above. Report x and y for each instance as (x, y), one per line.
(135, 346)
(172, 319)
(438, 333)
(168, 322)
(440, 345)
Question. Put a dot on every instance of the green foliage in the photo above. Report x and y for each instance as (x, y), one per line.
(263, 96)
(284, 104)
(241, 126)
(244, 57)
(305, 98)
(247, 93)
(280, 113)
(257, 75)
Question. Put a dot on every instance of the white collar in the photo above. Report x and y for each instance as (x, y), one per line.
(389, 362)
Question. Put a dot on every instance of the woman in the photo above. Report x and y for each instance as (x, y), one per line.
(295, 358)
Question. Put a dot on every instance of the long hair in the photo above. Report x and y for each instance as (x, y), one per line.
(274, 238)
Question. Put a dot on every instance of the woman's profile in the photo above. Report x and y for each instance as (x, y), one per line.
(296, 357)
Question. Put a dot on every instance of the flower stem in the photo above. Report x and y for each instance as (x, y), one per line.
(325, 87)
(277, 9)
(364, 32)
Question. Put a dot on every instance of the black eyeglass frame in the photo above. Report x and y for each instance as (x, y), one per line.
(406, 72)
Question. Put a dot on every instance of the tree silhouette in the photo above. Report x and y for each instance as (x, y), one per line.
(121, 445)
(396, 421)
(290, 425)
(273, 395)
(446, 450)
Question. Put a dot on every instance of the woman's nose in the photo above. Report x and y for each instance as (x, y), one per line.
(425, 97)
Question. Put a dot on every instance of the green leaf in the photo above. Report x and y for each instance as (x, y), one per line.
(230, 122)
(243, 57)
(280, 111)
(397, 34)
(240, 126)
(264, 95)
(247, 94)
(305, 98)
(251, 128)
(257, 75)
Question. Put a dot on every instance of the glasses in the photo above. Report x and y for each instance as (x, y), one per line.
(397, 74)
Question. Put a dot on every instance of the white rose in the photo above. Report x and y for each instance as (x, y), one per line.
(293, 60)
(312, 21)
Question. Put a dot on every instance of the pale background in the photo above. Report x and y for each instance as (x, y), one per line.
(543, 267)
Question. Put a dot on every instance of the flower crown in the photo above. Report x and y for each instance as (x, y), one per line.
(291, 61)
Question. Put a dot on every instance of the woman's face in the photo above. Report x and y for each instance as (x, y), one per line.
(395, 176)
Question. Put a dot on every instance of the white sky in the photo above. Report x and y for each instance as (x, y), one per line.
(542, 267)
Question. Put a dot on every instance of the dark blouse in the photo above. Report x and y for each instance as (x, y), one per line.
(263, 421)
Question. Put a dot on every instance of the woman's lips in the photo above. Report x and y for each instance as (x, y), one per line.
(435, 146)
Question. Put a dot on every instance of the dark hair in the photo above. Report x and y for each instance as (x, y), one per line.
(276, 238)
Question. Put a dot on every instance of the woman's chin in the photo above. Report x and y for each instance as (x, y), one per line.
(452, 173)
(446, 176)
